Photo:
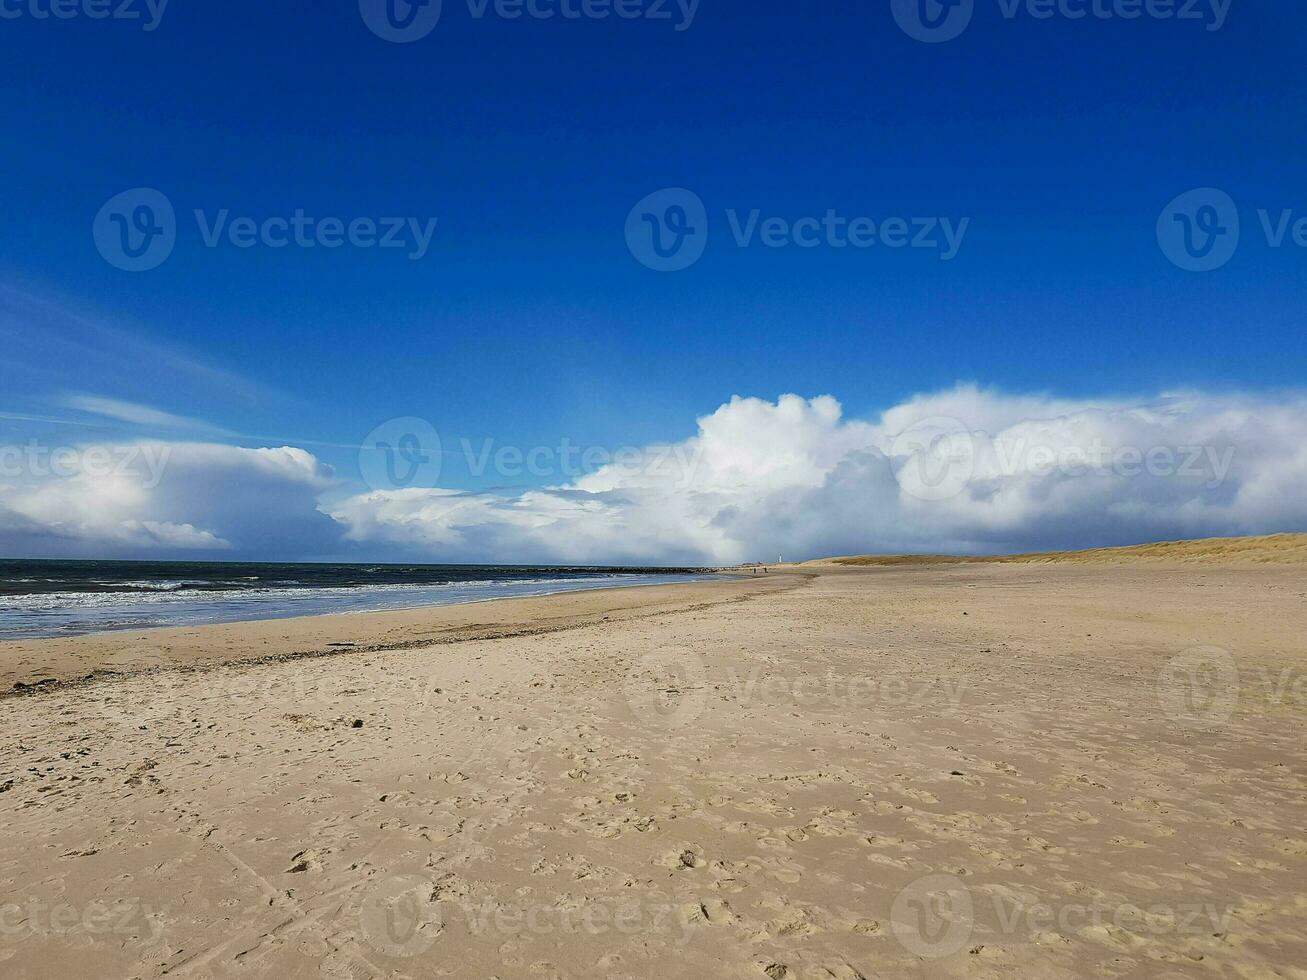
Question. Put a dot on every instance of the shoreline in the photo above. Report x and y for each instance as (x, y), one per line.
(82, 606)
(32, 665)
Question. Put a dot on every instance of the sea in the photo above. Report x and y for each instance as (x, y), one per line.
(69, 598)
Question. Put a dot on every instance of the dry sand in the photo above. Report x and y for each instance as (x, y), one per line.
(988, 770)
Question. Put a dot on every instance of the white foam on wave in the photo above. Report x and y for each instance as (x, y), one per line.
(64, 613)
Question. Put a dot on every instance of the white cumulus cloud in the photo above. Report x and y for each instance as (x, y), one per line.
(140, 498)
(961, 470)
(964, 470)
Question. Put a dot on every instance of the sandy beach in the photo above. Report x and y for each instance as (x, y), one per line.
(1023, 769)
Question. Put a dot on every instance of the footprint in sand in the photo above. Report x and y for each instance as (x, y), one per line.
(687, 858)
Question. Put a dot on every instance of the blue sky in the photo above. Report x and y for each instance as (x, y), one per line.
(529, 320)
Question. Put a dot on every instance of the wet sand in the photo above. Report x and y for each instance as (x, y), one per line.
(974, 770)
(68, 660)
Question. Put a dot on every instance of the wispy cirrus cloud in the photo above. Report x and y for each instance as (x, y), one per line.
(136, 414)
(47, 344)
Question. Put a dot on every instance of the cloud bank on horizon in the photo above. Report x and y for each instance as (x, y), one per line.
(965, 470)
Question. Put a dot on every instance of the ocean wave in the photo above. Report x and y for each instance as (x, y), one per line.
(152, 593)
(75, 612)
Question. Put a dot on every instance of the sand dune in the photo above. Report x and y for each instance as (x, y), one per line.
(1272, 549)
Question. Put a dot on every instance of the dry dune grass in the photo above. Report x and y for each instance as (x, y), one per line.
(1277, 549)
